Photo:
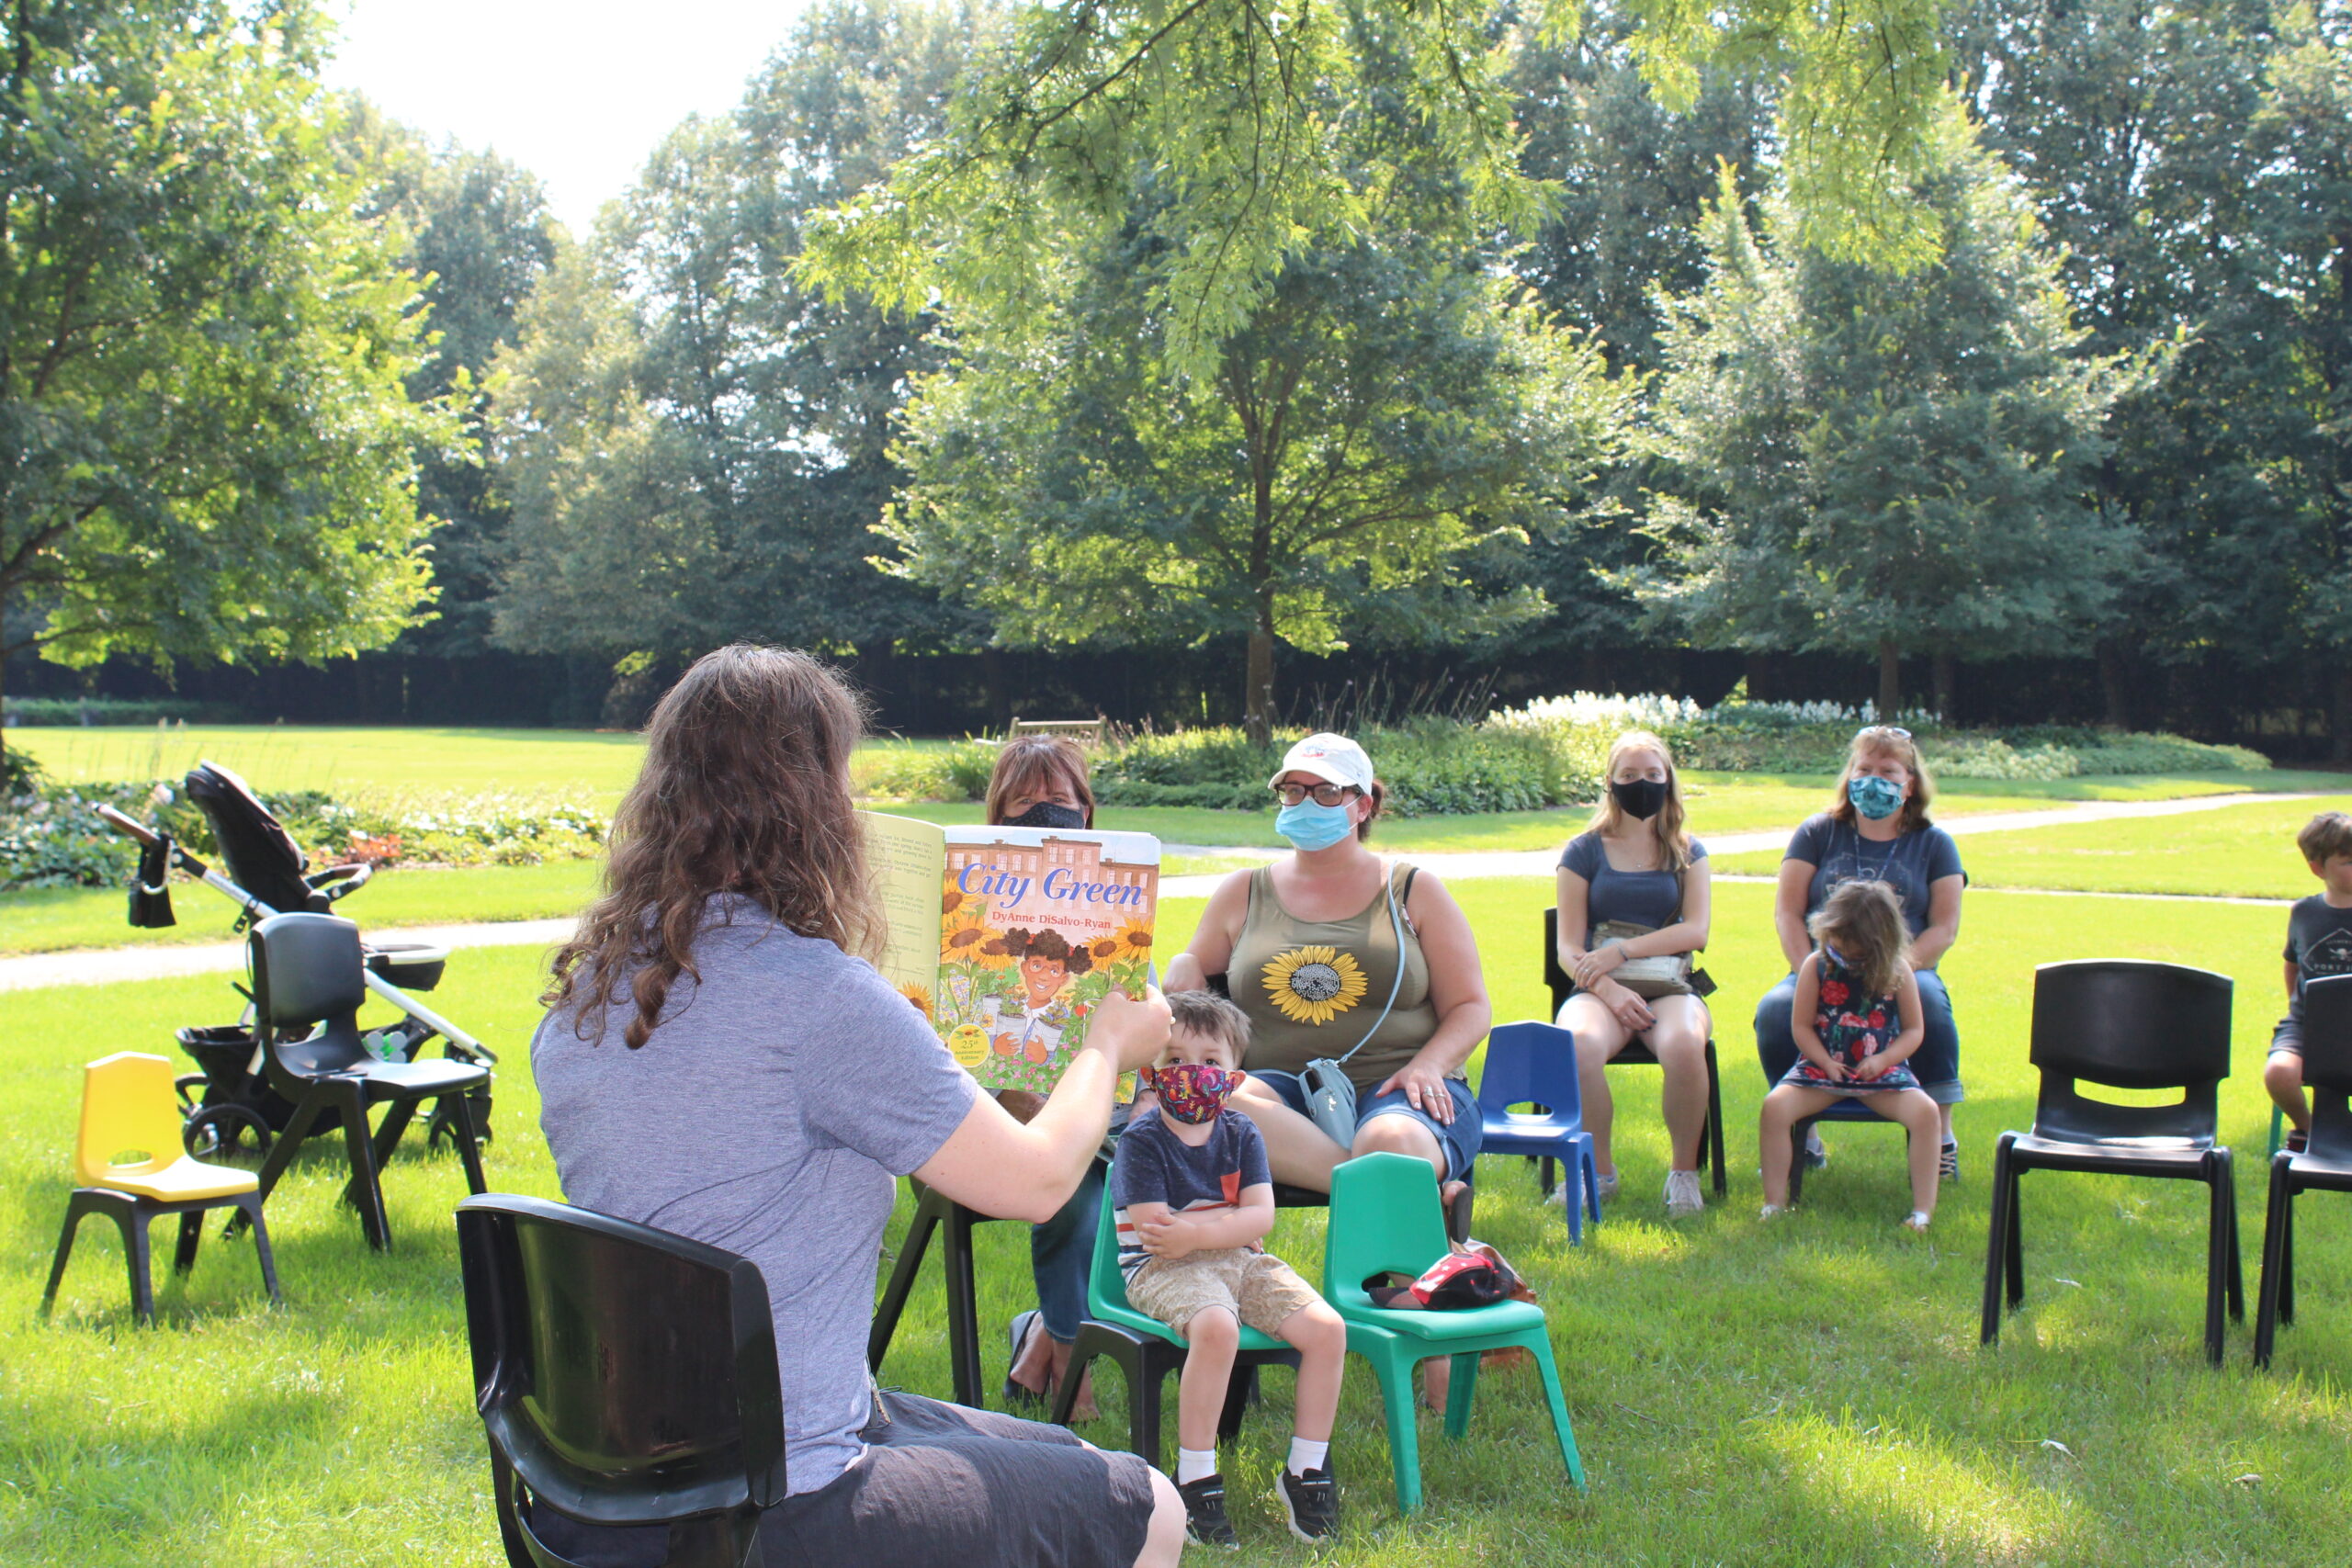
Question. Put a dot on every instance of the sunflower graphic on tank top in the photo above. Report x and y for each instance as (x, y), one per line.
(1314, 984)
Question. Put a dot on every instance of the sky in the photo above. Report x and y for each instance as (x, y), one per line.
(576, 91)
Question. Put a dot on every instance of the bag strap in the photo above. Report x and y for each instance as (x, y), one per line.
(1397, 924)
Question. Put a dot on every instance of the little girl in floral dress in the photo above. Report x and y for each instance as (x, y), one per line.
(1857, 1022)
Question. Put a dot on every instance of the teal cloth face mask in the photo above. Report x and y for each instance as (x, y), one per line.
(1873, 796)
(1311, 827)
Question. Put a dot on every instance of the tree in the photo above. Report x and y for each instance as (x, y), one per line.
(2307, 116)
(1633, 180)
(696, 445)
(1240, 112)
(2190, 157)
(206, 448)
(1391, 418)
(1870, 464)
(480, 236)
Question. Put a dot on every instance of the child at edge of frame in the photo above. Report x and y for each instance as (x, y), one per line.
(1194, 1200)
(2319, 943)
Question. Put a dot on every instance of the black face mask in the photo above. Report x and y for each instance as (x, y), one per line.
(1642, 799)
(1048, 814)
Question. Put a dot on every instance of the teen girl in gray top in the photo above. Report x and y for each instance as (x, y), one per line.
(716, 1062)
(1637, 866)
(1878, 830)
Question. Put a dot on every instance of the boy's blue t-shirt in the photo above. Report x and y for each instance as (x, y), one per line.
(1156, 1166)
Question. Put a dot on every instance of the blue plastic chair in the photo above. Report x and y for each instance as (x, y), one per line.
(1535, 1064)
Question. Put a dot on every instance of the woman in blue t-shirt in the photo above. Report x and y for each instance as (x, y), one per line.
(1876, 830)
(1634, 886)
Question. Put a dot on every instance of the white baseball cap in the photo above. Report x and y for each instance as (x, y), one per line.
(1332, 757)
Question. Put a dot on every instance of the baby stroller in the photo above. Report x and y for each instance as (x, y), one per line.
(229, 1109)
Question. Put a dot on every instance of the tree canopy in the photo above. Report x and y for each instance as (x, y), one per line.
(1876, 464)
(1246, 115)
(696, 445)
(206, 446)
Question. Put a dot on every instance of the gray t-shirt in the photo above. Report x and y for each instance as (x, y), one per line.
(768, 1114)
(1652, 899)
(1909, 865)
(2319, 943)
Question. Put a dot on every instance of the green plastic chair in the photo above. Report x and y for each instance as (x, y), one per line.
(1384, 1216)
(1148, 1350)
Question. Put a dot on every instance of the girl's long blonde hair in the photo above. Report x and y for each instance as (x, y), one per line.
(1863, 921)
(1673, 838)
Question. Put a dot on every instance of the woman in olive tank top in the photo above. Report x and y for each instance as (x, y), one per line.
(1311, 948)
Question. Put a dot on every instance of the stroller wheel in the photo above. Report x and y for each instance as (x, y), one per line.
(189, 1087)
(226, 1132)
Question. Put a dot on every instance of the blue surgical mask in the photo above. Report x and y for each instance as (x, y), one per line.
(1873, 796)
(1311, 827)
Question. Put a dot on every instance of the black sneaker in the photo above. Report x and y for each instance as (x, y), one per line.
(2298, 1142)
(1311, 1503)
(1816, 1155)
(1204, 1519)
(1948, 1165)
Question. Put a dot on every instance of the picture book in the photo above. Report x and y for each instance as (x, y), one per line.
(1006, 939)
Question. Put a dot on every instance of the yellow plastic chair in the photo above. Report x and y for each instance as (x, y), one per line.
(131, 1169)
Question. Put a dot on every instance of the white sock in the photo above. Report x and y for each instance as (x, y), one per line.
(1193, 1463)
(1306, 1456)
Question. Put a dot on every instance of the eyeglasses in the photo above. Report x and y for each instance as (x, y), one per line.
(1895, 730)
(1324, 793)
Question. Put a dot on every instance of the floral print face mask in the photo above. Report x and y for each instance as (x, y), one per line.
(1193, 1092)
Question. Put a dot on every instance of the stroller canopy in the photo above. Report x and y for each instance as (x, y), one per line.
(262, 857)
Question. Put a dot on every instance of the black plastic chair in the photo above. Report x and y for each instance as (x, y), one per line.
(2128, 1024)
(1636, 1054)
(940, 1215)
(627, 1379)
(2325, 1165)
(1847, 1110)
(308, 987)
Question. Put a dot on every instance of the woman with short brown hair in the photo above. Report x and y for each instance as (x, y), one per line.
(1877, 830)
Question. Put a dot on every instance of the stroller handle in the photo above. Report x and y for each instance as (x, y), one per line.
(129, 827)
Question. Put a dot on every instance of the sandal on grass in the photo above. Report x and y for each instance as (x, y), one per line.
(1915, 1222)
(1020, 1395)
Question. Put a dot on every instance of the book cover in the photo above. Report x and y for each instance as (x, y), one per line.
(1007, 937)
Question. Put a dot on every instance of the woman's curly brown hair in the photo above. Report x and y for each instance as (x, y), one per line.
(745, 789)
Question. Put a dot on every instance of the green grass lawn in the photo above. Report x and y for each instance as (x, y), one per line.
(601, 764)
(2246, 851)
(392, 759)
(576, 761)
(1808, 1392)
(52, 920)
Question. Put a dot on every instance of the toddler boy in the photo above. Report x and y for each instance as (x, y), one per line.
(2319, 943)
(1194, 1199)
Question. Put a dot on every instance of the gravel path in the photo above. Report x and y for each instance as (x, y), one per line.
(96, 967)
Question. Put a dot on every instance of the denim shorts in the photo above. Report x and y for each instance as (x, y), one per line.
(1459, 1138)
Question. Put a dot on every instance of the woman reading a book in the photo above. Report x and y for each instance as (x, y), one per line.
(1336, 954)
(1040, 781)
(719, 1061)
